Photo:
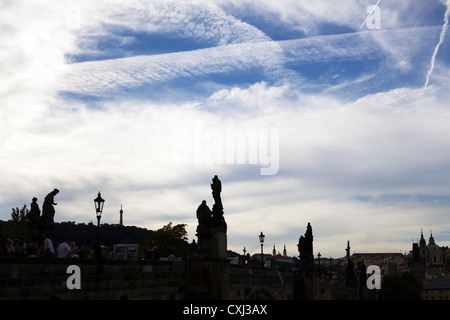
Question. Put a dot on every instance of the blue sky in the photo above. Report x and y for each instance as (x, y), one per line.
(146, 101)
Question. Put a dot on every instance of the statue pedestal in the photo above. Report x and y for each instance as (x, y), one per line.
(208, 279)
(209, 269)
(218, 233)
(212, 242)
(204, 245)
(219, 244)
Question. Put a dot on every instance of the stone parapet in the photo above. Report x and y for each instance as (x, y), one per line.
(43, 278)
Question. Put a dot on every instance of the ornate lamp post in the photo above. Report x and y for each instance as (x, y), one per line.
(99, 202)
(261, 240)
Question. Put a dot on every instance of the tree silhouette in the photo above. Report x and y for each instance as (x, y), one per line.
(400, 287)
(18, 226)
(169, 240)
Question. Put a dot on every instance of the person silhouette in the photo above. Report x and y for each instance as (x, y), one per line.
(48, 247)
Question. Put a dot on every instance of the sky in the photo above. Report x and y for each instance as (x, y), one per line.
(333, 113)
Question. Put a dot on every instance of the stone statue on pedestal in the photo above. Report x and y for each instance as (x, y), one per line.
(46, 222)
(211, 229)
(208, 266)
(218, 219)
(305, 248)
(204, 217)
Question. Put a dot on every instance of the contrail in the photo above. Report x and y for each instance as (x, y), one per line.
(441, 40)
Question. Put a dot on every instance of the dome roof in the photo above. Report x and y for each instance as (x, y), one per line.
(433, 247)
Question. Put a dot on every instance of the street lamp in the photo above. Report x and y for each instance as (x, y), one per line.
(261, 240)
(318, 256)
(99, 202)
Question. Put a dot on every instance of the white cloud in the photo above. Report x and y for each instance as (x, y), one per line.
(339, 159)
(382, 144)
(311, 18)
(197, 20)
(103, 77)
(330, 152)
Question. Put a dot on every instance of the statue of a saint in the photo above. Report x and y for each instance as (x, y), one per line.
(35, 213)
(308, 233)
(48, 211)
(305, 248)
(302, 247)
(204, 214)
(216, 187)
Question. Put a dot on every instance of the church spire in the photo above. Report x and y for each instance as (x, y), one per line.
(422, 242)
(431, 240)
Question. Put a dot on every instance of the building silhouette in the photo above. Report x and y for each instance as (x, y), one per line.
(430, 254)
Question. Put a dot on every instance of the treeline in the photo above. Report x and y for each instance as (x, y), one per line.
(170, 239)
(84, 234)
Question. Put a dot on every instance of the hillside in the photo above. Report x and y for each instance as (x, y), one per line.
(84, 234)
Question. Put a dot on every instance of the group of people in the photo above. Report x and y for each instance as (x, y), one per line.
(152, 253)
(19, 248)
(8, 247)
(66, 249)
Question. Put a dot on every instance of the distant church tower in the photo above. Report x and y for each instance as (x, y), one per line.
(284, 251)
(121, 216)
(423, 247)
(274, 252)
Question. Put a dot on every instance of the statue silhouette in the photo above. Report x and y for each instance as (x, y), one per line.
(204, 215)
(216, 187)
(212, 228)
(305, 248)
(35, 213)
(48, 211)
